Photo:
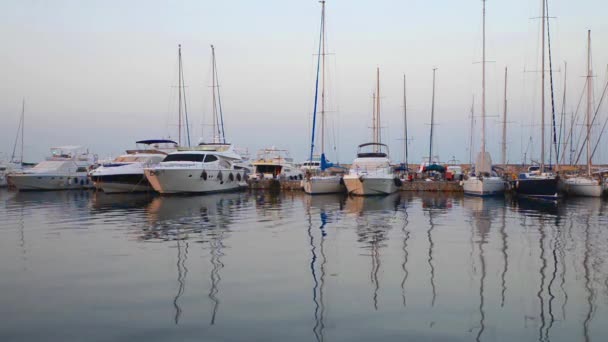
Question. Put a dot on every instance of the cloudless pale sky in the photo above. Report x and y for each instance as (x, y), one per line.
(102, 73)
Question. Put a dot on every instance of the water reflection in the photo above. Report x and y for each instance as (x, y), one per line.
(482, 212)
(433, 205)
(588, 286)
(328, 207)
(504, 248)
(373, 224)
(406, 237)
(537, 269)
(182, 272)
(201, 219)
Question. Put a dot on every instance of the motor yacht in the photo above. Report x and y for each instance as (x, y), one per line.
(126, 172)
(274, 163)
(66, 169)
(202, 169)
(371, 172)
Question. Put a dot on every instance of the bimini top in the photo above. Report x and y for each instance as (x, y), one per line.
(156, 141)
(375, 152)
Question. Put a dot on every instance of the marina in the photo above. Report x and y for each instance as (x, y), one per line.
(303, 171)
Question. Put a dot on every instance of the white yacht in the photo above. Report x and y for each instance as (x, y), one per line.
(319, 180)
(7, 168)
(583, 186)
(274, 163)
(65, 169)
(126, 172)
(586, 185)
(371, 172)
(202, 169)
(484, 181)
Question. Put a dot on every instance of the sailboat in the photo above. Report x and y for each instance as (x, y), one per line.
(586, 185)
(321, 182)
(539, 183)
(483, 181)
(371, 172)
(14, 164)
(208, 167)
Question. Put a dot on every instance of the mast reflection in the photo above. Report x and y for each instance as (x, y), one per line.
(322, 202)
(505, 246)
(204, 219)
(406, 236)
(588, 287)
(373, 224)
(182, 272)
(481, 216)
(433, 204)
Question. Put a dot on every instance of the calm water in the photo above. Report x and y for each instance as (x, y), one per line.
(81, 266)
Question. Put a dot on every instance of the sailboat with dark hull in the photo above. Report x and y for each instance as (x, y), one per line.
(538, 183)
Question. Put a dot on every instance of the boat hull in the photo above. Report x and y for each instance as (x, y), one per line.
(489, 186)
(367, 186)
(543, 188)
(38, 182)
(184, 181)
(121, 183)
(323, 185)
(583, 187)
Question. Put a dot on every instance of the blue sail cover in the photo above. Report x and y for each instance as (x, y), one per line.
(324, 163)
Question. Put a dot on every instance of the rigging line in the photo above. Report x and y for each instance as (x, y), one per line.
(314, 115)
(575, 119)
(592, 123)
(563, 113)
(17, 136)
(185, 102)
(605, 122)
(551, 83)
(219, 99)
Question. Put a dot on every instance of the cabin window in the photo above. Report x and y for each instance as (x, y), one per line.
(190, 157)
(210, 158)
(81, 169)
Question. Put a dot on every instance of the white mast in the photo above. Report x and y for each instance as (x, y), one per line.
(378, 122)
(589, 85)
(483, 92)
(432, 119)
(22, 129)
(471, 132)
(179, 94)
(404, 124)
(504, 126)
(374, 131)
(213, 85)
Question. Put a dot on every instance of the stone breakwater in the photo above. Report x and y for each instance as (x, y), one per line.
(435, 186)
(295, 185)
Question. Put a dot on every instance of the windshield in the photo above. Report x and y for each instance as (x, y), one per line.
(190, 157)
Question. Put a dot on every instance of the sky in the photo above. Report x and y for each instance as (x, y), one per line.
(103, 74)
